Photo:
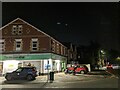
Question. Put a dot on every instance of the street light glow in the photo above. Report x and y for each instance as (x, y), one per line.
(118, 58)
(102, 51)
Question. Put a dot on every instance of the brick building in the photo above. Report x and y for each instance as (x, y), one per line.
(22, 44)
(71, 53)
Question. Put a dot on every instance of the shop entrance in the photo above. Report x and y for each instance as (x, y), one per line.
(1, 68)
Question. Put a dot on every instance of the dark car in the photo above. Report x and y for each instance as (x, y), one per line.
(28, 73)
(77, 70)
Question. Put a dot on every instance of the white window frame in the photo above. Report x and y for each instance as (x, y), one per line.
(58, 51)
(2, 45)
(20, 27)
(16, 44)
(32, 44)
(61, 49)
(14, 29)
(53, 46)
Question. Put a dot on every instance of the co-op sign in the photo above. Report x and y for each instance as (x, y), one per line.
(25, 57)
(31, 57)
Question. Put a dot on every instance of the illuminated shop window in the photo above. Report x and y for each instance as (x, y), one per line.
(34, 44)
(2, 45)
(18, 44)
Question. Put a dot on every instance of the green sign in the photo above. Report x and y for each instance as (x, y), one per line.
(31, 57)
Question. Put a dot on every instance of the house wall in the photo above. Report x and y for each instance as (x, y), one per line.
(28, 33)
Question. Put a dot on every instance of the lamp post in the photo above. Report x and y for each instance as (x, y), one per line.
(101, 56)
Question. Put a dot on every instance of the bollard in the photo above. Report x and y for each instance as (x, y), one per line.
(51, 76)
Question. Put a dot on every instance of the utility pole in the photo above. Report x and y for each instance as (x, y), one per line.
(47, 71)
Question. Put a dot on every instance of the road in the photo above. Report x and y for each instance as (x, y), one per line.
(91, 80)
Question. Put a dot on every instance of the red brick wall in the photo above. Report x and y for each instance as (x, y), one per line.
(28, 33)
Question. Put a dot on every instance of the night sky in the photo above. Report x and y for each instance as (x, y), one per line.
(76, 22)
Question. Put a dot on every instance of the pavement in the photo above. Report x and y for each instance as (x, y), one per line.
(115, 72)
(59, 79)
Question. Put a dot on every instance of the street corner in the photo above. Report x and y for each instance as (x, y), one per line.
(114, 72)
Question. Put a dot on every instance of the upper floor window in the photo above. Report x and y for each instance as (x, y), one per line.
(57, 48)
(2, 45)
(34, 44)
(61, 49)
(65, 51)
(20, 29)
(14, 29)
(17, 29)
(53, 46)
(18, 44)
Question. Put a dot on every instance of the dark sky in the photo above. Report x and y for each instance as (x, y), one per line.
(77, 22)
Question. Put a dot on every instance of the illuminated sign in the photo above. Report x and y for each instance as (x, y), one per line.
(32, 57)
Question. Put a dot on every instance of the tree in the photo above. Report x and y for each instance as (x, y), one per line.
(94, 49)
(113, 55)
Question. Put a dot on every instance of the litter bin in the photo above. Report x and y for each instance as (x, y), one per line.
(51, 76)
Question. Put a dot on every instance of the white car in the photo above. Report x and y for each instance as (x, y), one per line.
(114, 66)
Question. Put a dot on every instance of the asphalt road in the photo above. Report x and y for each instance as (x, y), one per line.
(92, 80)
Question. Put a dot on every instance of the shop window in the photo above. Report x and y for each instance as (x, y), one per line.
(34, 44)
(2, 45)
(1, 67)
(18, 44)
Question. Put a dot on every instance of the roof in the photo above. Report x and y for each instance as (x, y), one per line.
(31, 26)
(67, 44)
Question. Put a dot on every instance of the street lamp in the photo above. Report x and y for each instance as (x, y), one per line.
(102, 57)
(102, 52)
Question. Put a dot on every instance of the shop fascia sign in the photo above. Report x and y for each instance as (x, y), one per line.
(25, 57)
(31, 56)
(58, 57)
(10, 57)
(54, 56)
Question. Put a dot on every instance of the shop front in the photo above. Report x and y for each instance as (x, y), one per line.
(44, 62)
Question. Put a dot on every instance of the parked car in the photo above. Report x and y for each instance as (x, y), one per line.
(76, 70)
(113, 66)
(28, 73)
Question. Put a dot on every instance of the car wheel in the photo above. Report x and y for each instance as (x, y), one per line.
(29, 77)
(9, 78)
(82, 72)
